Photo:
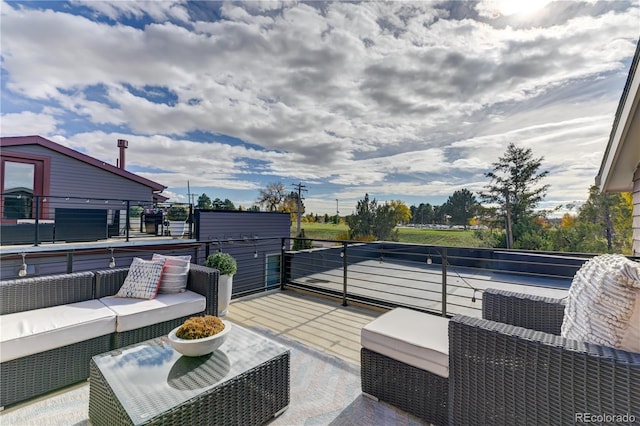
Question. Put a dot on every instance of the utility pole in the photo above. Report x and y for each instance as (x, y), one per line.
(301, 188)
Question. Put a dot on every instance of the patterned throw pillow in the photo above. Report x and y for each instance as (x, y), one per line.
(175, 273)
(603, 306)
(143, 279)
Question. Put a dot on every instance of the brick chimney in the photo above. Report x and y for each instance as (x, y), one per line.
(122, 144)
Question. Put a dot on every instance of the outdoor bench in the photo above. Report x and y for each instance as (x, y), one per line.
(51, 326)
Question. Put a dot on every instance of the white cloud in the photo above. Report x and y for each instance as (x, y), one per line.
(387, 97)
(27, 123)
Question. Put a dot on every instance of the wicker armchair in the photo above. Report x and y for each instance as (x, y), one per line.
(512, 367)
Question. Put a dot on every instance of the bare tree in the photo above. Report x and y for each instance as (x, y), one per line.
(271, 196)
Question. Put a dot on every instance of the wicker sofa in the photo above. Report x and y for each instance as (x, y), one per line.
(512, 367)
(59, 363)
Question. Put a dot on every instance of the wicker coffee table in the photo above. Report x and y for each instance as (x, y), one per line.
(244, 382)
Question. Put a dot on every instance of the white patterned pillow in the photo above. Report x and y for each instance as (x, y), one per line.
(603, 306)
(175, 273)
(143, 279)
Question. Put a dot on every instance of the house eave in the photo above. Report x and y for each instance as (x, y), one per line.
(622, 155)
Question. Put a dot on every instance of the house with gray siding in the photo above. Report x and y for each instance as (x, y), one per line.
(49, 184)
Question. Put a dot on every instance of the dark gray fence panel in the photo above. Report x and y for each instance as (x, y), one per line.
(248, 236)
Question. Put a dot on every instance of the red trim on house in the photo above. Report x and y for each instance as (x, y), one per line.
(42, 177)
(160, 198)
(39, 140)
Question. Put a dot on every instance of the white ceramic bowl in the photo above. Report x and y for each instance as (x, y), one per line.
(199, 347)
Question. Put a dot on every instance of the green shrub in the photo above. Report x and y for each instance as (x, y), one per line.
(302, 244)
(177, 213)
(223, 262)
(135, 211)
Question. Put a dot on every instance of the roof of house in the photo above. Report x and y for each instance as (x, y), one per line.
(39, 140)
(622, 156)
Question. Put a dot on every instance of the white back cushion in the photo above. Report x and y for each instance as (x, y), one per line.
(603, 305)
(143, 279)
(175, 273)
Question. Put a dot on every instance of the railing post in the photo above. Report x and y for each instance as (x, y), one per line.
(69, 262)
(128, 221)
(37, 230)
(344, 274)
(444, 281)
(282, 272)
(191, 218)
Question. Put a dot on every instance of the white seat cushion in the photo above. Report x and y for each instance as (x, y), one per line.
(138, 313)
(39, 330)
(412, 337)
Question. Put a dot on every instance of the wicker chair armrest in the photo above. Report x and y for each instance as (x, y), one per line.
(523, 310)
(502, 374)
(204, 280)
(109, 281)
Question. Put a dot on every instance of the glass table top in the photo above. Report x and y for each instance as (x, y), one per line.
(150, 378)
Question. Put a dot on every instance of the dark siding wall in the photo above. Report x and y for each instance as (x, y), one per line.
(257, 235)
(222, 225)
(73, 178)
(57, 262)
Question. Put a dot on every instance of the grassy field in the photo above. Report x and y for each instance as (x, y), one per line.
(440, 237)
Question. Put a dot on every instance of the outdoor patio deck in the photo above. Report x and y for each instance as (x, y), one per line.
(321, 323)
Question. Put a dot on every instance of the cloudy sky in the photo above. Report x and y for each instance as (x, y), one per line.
(401, 100)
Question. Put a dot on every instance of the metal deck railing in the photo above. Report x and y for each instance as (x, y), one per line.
(435, 279)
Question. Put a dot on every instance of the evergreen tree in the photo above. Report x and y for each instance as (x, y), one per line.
(204, 202)
(515, 188)
(461, 207)
(372, 221)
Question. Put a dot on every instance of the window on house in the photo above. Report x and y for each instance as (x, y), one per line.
(19, 179)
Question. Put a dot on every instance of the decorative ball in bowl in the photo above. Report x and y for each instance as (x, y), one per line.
(187, 339)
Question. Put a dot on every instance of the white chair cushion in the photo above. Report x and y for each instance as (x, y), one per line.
(603, 306)
(175, 273)
(138, 313)
(31, 332)
(412, 337)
